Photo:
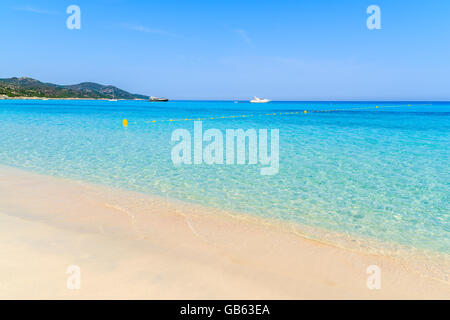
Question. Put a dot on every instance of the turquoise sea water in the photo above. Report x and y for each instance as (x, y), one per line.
(372, 173)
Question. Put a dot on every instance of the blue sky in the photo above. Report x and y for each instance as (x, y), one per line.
(282, 50)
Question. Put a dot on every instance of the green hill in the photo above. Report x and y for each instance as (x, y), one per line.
(27, 87)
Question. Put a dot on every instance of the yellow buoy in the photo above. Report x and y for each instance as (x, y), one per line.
(125, 122)
(305, 111)
(376, 107)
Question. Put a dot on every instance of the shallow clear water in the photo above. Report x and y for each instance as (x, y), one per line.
(378, 173)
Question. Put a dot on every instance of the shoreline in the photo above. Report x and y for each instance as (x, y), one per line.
(241, 100)
(131, 245)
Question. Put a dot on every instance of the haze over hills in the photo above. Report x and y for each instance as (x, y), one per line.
(28, 87)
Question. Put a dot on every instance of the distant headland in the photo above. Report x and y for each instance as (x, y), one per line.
(28, 88)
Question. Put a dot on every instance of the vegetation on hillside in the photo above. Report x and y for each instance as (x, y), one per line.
(27, 87)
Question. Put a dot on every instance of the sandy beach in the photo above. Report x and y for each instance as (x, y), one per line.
(132, 246)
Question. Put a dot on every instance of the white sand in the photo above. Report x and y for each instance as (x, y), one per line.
(130, 245)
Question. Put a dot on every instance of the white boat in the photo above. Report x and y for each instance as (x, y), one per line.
(258, 100)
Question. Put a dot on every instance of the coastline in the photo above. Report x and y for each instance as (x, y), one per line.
(45, 98)
(131, 245)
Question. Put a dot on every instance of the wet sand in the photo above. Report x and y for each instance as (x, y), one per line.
(131, 245)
